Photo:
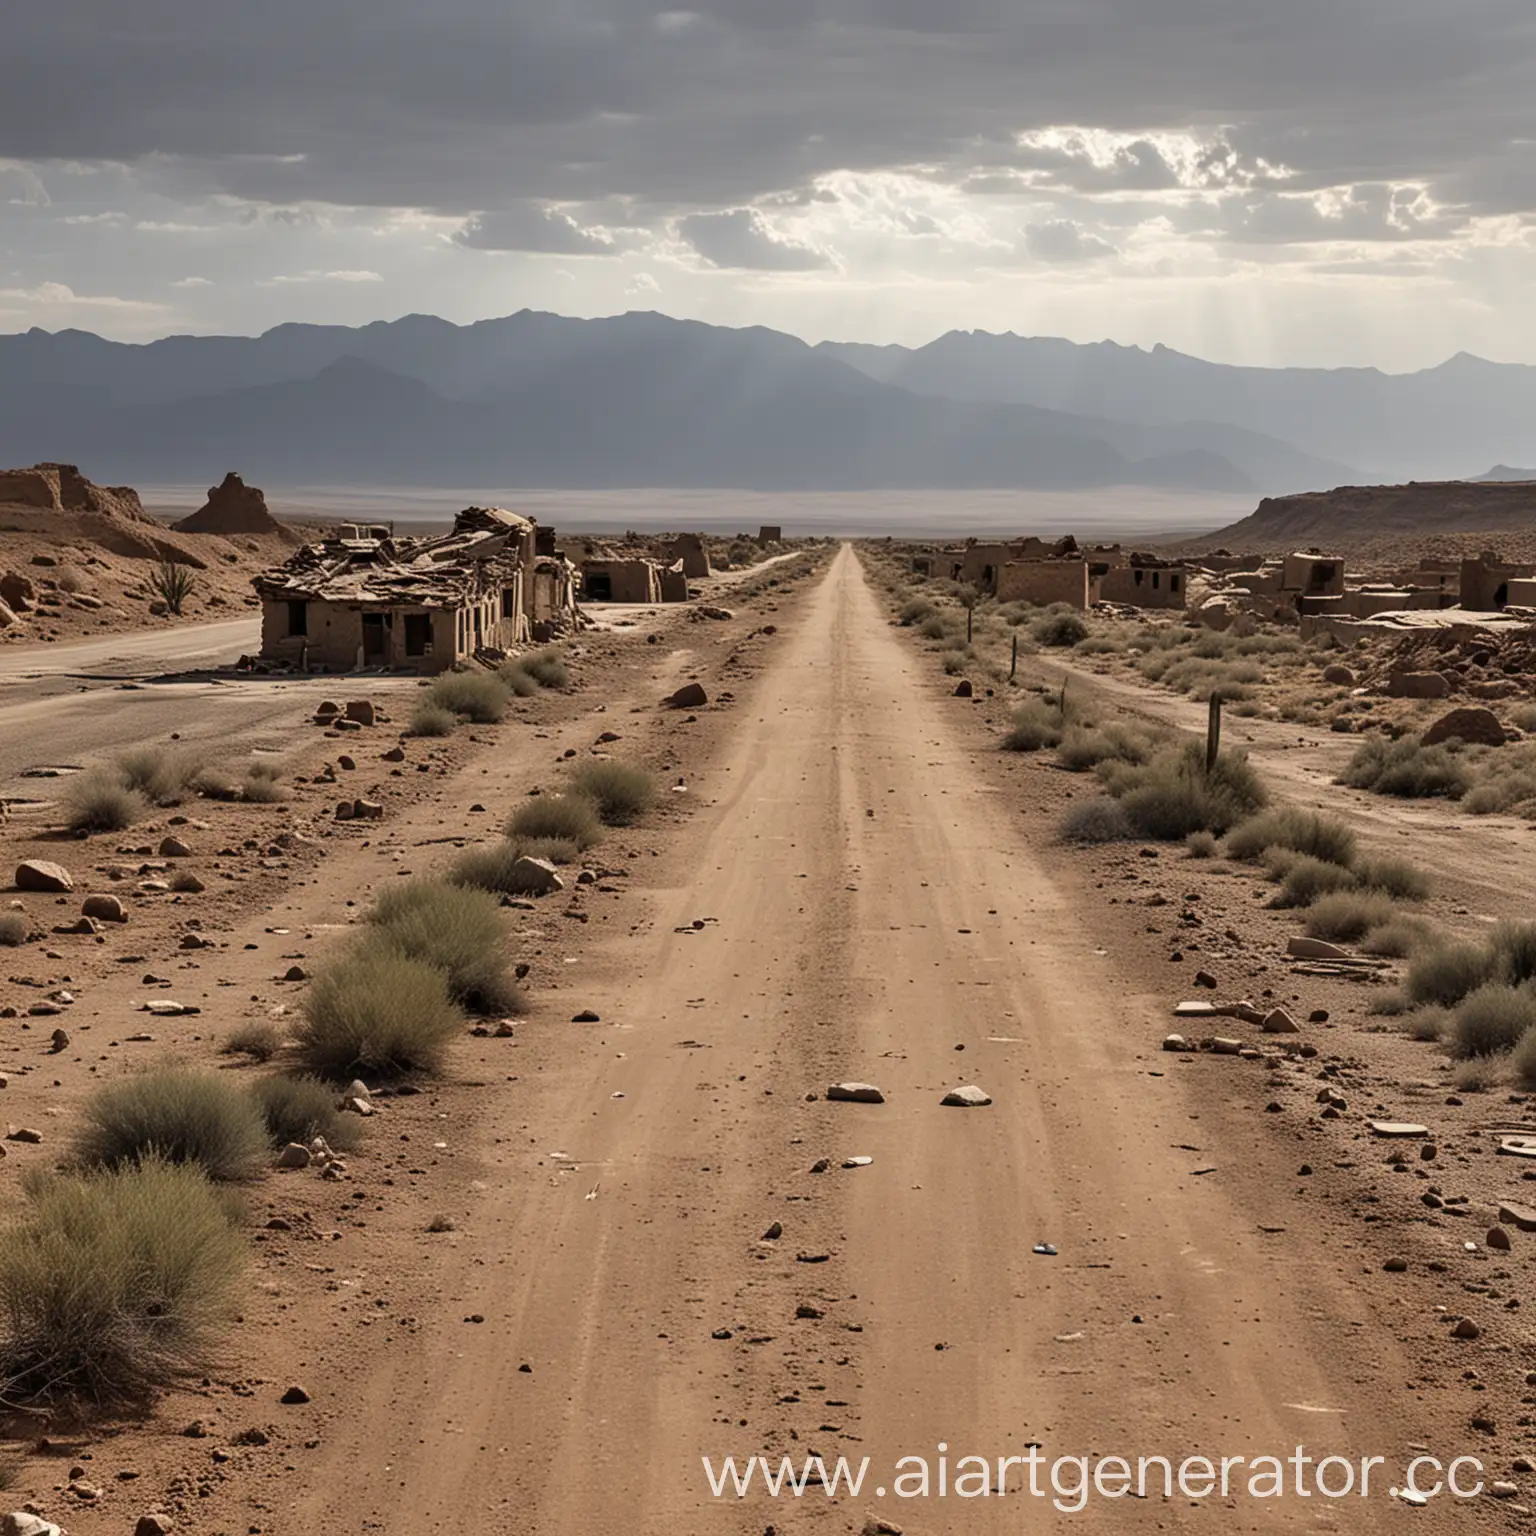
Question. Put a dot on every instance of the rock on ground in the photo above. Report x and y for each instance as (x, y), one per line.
(41, 875)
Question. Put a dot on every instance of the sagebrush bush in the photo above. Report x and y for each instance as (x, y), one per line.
(260, 786)
(1481, 1074)
(1513, 947)
(1200, 845)
(459, 930)
(480, 697)
(494, 866)
(1288, 826)
(1492, 1020)
(547, 667)
(1406, 768)
(621, 792)
(374, 1010)
(69, 580)
(1505, 781)
(115, 1285)
(1101, 820)
(1172, 795)
(1396, 876)
(14, 929)
(1059, 629)
(162, 774)
(298, 1109)
(517, 681)
(1084, 746)
(1036, 724)
(1427, 1024)
(572, 818)
(178, 1114)
(1524, 1059)
(1304, 879)
(558, 850)
(936, 626)
(261, 1040)
(432, 720)
(1398, 937)
(915, 610)
(99, 801)
(1447, 973)
(1344, 917)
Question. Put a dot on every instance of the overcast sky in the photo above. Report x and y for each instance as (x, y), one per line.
(1266, 181)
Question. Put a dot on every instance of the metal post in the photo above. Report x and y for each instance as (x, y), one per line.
(1213, 733)
(970, 614)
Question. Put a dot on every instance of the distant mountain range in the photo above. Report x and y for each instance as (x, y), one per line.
(641, 400)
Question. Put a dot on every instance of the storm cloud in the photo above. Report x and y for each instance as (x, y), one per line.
(702, 145)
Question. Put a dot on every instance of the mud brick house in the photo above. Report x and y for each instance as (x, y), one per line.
(621, 581)
(418, 604)
(1146, 582)
(1044, 581)
(688, 550)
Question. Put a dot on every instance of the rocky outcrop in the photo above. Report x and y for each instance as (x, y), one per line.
(62, 488)
(232, 507)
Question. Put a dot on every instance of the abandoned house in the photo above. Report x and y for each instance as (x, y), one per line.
(1489, 583)
(688, 550)
(1311, 574)
(417, 604)
(1145, 582)
(1044, 581)
(621, 581)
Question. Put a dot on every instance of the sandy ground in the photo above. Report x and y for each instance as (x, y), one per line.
(855, 886)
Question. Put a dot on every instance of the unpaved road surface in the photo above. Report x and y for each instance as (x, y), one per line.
(857, 901)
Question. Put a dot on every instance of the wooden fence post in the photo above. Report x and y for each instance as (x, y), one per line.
(1013, 666)
(1213, 734)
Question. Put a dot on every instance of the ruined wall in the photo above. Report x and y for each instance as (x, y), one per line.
(674, 586)
(1044, 581)
(1144, 586)
(629, 581)
(689, 548)
(1485, 582)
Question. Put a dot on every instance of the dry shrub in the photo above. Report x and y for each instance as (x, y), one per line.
(915, 611)
(1036, 724)
(1085, 746)
(557, 850)
(1343, 917)
(547, 667)
(1524, 1059)
(1304, 879)
(571, 818)
(1513, 946)
(115, 1285)
(1427, 1024)
(69, 580)
(260, 785)
(260, 1040)
(1447, 973)
(1506, 781)
(1200, 845)
(1399, 937)
(1102, 820)
(165, 775)
(432, 720)
(99, 801)
(1492, 1020)
(494, 867)
(1396, 876)
(1302, 831)
(1064, 628)
(374, 1010)
(178, 1114)
(517, 681)
(480, 697)
(14, 929)
(937, 625)
(459, 930)
(622, 792)
(302, 1108)
(1406, 768)
(1481, 1074)
(1172, 795)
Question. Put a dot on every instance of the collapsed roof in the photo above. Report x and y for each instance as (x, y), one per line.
(485, 545)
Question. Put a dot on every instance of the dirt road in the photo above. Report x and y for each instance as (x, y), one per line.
(857, 903)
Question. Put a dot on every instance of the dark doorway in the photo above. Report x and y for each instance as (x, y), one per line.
(418, 633)
(298, 618)
(598, 588)
(373, 636)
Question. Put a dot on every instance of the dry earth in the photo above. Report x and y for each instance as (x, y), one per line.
(855, 885)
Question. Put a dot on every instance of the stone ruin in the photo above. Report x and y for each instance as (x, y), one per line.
(233, 507)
